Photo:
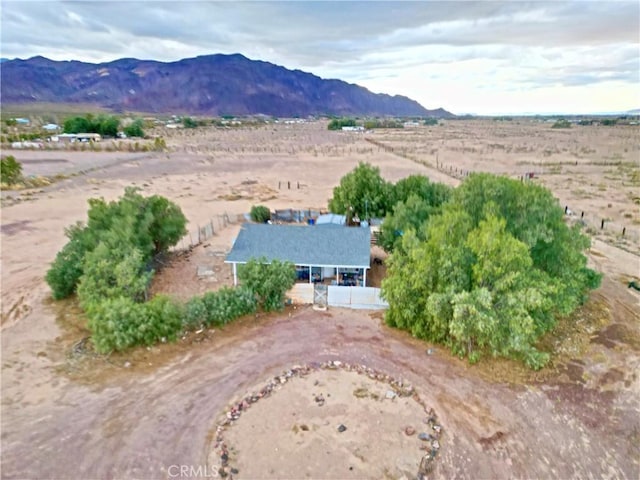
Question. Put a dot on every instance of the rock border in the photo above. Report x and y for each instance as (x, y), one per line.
(400, 388)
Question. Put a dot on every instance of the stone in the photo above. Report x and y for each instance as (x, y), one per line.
(409, 431)
(127, 364)
(341, 428)
(390, 394)
(424, 436)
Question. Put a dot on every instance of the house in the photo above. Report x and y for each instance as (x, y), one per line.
(64, 138)
(338, 256)
(88, 137)
(51, 127)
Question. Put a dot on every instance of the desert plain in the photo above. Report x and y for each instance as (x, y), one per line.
(146, 413)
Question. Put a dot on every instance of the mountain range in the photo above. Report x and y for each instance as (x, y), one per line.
(205, 85)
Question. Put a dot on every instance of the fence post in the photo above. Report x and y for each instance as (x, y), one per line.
(624, 229)
(565, 209)
(582, 215)
(278, 185)
(602, 224)
(288, 185)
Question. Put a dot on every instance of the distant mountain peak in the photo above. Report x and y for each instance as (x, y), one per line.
(213, 84)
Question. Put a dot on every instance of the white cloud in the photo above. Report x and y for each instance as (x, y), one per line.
(483, 57)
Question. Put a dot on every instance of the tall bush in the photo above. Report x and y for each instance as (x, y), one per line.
(10, 170)
(268, 281)
(260, 214)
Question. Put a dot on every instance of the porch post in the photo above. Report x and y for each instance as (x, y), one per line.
(364, 277)
(310, 274)
(235, 275)
(338, 276)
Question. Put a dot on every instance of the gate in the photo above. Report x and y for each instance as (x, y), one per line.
(320, 295)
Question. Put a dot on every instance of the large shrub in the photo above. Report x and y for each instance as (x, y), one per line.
(227, 304)
(268, 281)
(10, 170)
(119, 323)
(260, 214)
(148, 225)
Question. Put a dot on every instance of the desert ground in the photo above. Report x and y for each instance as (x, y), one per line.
(148, 412)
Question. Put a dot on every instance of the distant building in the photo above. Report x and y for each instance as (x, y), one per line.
(358, 128)
(23, 121)
(64, 138)
(76, 137)
(88, 137)
(51, 127)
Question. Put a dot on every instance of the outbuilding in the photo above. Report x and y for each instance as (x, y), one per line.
(335, 256)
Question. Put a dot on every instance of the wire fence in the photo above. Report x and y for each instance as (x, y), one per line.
(208, 230)
(622, 235)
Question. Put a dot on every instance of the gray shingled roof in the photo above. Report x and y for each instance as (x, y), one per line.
(303, 245)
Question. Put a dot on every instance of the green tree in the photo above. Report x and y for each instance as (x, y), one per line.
(268, 281)
(77, 125)
(363, 192)
(260, 214)
(490, 273)
(10, 170)
(435, 194)
(189, 122)
(106, 125)
(338, 123)
(411, 214)
(134, 129)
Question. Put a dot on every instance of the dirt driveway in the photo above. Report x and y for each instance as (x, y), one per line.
(135, 421)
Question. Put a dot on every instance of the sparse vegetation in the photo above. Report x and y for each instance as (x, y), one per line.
(561, 123)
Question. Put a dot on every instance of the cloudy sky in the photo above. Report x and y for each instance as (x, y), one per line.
(468, 57)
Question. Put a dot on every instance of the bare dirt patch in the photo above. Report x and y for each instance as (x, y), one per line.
(320, 425)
